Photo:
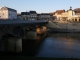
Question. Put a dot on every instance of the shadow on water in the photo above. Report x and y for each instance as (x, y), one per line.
(31, 47)
(17, 46)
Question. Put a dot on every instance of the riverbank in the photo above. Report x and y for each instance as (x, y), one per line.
(63, 27)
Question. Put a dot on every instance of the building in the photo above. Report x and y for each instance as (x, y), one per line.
(58, 14)
(19, 17)
(33, 15)
(38, 16)
(64, 15)
(8, 13)
(67, 15)
(45, 16)
(25, 15)
(52, 17)
(76, 14)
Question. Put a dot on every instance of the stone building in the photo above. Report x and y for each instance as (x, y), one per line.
(76, 16)
(58, 14)
(64, 15)
(25, 15)
(45, 16)
(8, 13)
(31, 15)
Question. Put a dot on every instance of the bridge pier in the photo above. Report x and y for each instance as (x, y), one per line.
(11, 44)
(14, 44)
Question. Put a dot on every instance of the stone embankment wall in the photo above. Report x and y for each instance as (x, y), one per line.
(53, 25)
(68, 25)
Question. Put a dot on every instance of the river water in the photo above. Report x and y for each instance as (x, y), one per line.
(54, 45)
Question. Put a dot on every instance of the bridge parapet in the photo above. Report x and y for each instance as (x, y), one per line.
(14, 27)
(3, 22)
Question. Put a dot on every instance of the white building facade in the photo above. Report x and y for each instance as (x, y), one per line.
(8, 13)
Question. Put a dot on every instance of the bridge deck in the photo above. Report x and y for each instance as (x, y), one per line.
(21, 21)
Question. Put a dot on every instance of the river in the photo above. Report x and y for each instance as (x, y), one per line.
(54, 45)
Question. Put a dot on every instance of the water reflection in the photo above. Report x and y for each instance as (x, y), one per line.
(56, 45)
(60, 45)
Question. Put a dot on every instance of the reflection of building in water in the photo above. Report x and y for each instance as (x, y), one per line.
(12, 44)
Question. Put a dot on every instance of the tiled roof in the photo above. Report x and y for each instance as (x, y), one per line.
(77, 9)
(60, 11)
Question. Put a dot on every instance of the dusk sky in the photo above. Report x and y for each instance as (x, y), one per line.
(40, 6)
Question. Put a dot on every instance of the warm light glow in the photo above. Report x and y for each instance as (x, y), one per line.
(38, 30)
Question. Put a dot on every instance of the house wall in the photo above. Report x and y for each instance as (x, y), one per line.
(7, 14)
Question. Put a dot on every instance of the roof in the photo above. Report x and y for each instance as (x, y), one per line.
(45, 13)
(60, 11)
(77, 9)
(32, 12)
(25, 13)
(7, 8)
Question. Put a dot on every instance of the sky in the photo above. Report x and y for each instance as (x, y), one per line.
(40, 6)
